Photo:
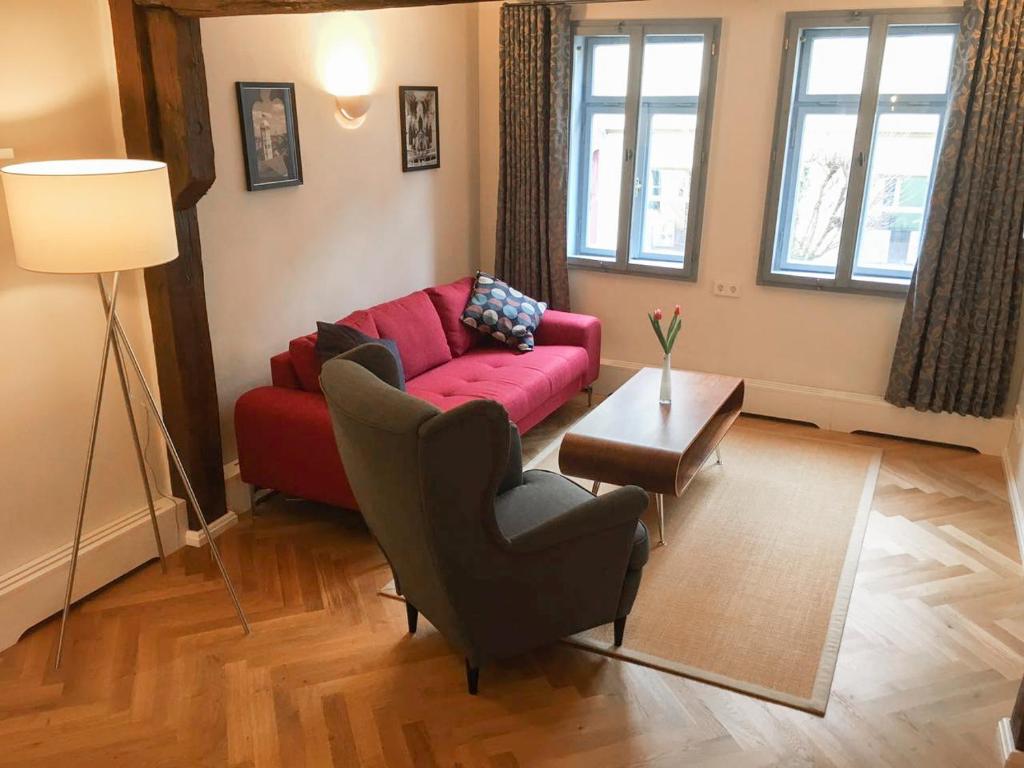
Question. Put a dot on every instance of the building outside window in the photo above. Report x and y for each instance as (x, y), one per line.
(641, 109)
(861, 112)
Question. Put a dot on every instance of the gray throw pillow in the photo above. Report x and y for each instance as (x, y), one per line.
(333, 339)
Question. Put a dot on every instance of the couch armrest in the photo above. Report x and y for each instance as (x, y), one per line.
(621, 507)
(571, 329)
(286, 442)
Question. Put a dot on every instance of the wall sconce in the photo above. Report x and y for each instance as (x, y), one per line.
(347, 67)
(352, 110)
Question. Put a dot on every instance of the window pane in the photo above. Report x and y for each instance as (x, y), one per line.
(667, 186)
(672, 65)
(814, 216)
(610, 67)
(902, 161)
(836, 61)
(604, 169)
(917, 59)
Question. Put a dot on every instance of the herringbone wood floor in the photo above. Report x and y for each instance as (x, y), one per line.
(158, 673)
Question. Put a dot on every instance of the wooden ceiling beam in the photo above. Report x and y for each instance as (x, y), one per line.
(206, 8)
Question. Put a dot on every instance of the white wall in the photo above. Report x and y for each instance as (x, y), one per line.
(59, 100)
(358, 231)
(834, 341)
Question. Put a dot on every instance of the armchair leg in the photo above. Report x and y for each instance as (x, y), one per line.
(411, 614)
(472, 678)
(620, 630)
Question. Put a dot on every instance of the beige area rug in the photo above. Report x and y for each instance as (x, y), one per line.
(751, 590)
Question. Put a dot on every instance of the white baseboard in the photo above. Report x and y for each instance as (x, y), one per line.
(846, 411)
(35, 591)
(1014, 447)
(240, 494)
(1009, 756)
(1016, 503)
(217, 527)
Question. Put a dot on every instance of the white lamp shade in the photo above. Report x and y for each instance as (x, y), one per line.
(85, 216)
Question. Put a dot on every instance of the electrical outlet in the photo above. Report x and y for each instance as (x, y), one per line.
(725, 290)
(6, 153)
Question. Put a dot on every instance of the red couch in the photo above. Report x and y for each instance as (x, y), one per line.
(285, 440)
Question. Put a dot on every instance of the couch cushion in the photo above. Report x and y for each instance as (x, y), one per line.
(303, 349)
(362, 321)
(449, 301)
(521, 383)
(413, 323)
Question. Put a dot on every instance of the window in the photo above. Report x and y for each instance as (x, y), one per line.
(861, 112)
(640, 117)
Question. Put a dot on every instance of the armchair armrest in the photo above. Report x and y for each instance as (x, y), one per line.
(571, 329)
(618, 508)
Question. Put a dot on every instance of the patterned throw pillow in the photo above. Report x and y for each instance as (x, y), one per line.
(503, 313)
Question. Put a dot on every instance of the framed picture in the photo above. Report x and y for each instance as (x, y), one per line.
(421, 133)
(270, 135)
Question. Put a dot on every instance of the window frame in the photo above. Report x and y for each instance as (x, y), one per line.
(867, 111)
(630, 210)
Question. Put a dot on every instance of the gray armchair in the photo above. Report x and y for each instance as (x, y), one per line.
(499, 560)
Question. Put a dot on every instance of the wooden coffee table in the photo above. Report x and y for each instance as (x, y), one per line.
(629, 439)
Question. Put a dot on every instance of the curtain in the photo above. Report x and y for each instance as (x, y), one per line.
(533, 166)
(957, 338)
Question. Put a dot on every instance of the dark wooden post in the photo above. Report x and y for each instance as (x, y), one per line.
(166, 115)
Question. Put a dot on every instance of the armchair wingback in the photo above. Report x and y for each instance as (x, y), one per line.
(500, 561)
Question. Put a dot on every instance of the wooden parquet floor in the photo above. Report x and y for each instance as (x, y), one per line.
(158, 674)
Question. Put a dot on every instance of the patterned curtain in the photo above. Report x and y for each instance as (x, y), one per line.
(957, 338)
(533, 169)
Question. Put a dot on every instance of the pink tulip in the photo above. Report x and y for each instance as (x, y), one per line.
(657, 314)
(677, 311)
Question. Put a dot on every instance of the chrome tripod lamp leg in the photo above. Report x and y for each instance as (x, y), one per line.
(90, 452)
(115, 337)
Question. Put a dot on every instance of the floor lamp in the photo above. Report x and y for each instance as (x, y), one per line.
(92, 217)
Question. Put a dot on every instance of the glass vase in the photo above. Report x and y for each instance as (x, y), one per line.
(665, 397)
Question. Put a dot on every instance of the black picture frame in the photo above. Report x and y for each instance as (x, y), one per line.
(272, 155)
(420, 126)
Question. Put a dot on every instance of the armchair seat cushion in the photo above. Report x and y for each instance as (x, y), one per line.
(542, 497)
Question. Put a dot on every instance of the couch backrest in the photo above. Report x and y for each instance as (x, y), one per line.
(450, 300)
(426, 325)
(305, 365)
(413, 324)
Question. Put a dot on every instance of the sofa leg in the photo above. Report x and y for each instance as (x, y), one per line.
(590, 395)
(412, 615)
(472, 678)
(620, 630)
(252, 502)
